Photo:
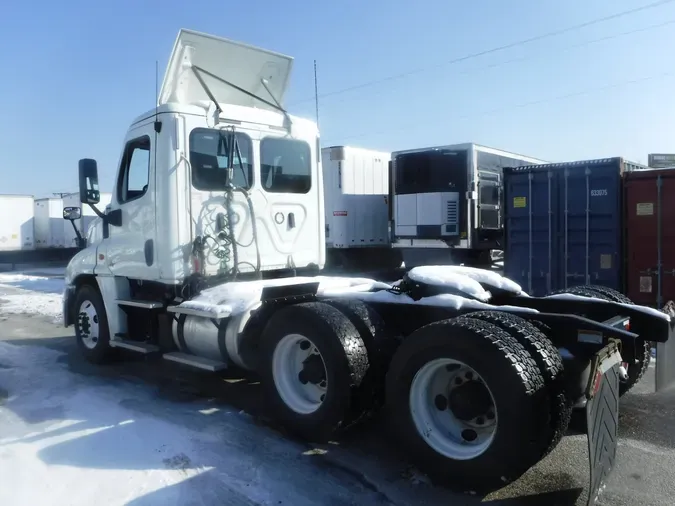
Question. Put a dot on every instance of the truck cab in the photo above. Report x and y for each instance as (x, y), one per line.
(217, 180)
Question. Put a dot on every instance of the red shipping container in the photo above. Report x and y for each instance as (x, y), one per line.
(649, 202)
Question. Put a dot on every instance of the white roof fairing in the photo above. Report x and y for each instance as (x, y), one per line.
(240, 64)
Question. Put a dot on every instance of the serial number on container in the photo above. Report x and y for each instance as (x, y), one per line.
(599, 193)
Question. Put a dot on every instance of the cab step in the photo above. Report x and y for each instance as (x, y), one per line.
(143, 304)
(120, 342)
(195, 361)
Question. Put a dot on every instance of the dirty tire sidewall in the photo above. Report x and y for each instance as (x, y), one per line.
(380, 342)
(550, 363)
(101, 352)
(345, 358)
(514, 381)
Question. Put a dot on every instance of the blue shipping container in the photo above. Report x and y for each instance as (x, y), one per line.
(563, 225)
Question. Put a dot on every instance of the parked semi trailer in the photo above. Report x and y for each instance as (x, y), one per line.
(356, 205)
(49, 223)
(447, 203)
(207, 259)
(16, 225)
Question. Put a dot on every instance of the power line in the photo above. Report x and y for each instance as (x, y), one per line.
(521, 105)
(565, 48)
(492, 50)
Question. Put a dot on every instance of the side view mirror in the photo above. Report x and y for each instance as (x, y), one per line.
(88, 172)
(72, 213)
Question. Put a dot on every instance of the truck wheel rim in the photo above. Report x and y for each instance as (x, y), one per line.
(87, 324)
(453, 409)
(299, 373)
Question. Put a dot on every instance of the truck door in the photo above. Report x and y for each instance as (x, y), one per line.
(130, 247)
(292, 188)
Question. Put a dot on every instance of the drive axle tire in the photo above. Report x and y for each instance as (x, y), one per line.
(639, 356)
(468, 403)
(380, 343)
(313, 366)
(91, 325)
(550, 363)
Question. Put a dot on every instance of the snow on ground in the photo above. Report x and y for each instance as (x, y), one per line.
(80, 443)
(68, 438)
(27, 292)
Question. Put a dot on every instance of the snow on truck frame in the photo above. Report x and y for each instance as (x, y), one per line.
(209, 257)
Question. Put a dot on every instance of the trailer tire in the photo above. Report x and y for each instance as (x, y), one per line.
(380, 343)
(550, 363)
(640, 356)
(517, 396)
(316, 399)
(91, 325)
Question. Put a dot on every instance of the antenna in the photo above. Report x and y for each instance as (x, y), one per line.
(158, 124)
(316, 95)
(156, 86)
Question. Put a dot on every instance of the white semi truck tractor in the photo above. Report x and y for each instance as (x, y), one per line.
(209, 255)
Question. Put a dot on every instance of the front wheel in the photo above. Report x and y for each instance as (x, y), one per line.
(91, 325)
(468, 403)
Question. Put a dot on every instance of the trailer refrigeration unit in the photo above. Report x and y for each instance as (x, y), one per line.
(205, 260)
(447, 203)
(356, 194)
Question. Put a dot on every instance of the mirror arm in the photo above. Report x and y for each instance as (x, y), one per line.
(97, 211)
(81, 243)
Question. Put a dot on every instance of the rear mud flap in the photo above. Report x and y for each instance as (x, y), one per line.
(602, 419)
(665, 361)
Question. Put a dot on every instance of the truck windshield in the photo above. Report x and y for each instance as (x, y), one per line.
(209, 159)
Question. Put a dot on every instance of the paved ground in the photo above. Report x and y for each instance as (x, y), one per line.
(362, 468)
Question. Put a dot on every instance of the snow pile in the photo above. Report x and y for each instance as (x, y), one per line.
(42, 304)
(450, 301)
(446, 276)
(33, 283)
(235, 298)
(31, 294)
(483, 276)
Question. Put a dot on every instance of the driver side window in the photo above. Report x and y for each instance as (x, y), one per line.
(135, 170)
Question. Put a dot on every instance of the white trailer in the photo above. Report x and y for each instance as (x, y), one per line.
(208, 258)
(356, 207)
(16, 222)
(49, 223)
(82, 224)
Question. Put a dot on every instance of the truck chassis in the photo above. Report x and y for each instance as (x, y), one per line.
(477, 388)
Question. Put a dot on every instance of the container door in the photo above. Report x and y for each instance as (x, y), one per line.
(591, 227)
(489, 200)
(650, 240)
(531, 249)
